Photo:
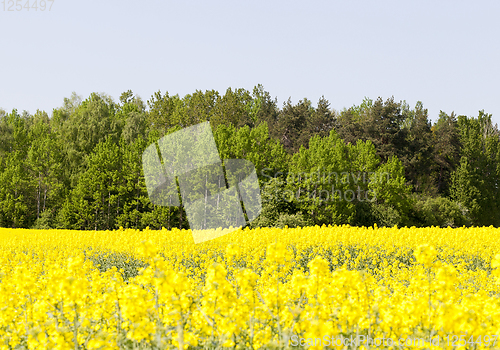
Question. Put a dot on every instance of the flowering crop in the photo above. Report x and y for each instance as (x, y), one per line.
(250, 289)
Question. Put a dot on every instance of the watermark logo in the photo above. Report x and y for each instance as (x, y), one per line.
(325, 187)
(185, 168)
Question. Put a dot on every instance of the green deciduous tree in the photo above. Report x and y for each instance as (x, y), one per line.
(392, 202)
(16, 185)
(330, 179)
(44, 161)
(92, 122)
(254, 145)
(475, 183)
(95, 201)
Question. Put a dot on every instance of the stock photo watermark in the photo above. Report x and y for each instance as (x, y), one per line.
(324, 177)
(27, 5)
(326, 187)
(449, 340)
(184, 167)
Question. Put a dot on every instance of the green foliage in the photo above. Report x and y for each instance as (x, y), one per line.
(439, 211)
(128, 266)
(276, 204)
(92, 122)
(296, 124)
(475, 181)
(446, 156)
(395, 130)
(16, 184)
(379, 162)
(292, 220)
(44, 221)
(389, 186)
(385, 215)
(420, 148)
(254, 145)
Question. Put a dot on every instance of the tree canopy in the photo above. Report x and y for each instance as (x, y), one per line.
(381, 161)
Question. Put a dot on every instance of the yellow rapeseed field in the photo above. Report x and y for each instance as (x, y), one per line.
(316, 287)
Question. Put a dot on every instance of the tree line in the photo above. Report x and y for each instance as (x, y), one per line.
(380, 162)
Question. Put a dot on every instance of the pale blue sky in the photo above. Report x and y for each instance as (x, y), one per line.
(443, 53)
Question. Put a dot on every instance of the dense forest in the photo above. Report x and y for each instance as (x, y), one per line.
(379, 162)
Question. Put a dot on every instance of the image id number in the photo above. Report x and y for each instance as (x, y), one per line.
(27, 5)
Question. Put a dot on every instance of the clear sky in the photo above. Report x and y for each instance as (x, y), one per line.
(443, 53)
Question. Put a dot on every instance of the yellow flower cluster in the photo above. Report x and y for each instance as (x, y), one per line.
(250, 289)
